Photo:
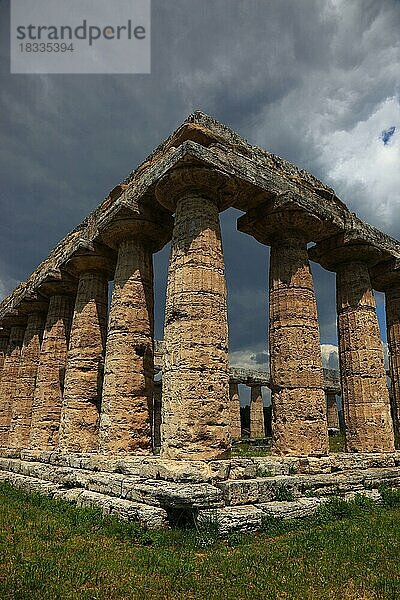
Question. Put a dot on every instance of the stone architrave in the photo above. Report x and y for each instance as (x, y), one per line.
(195, 402)
(26, 381)
(257, 429)
(299, 424)
(157, 414)
(80, 415)
(47, 402)
(127, 401)
(332, 411)
(234, 411)
(366, 404)
(8, 380)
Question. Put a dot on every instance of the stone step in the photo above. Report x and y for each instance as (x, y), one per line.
(150, 517)
(152, 492)
(290, 487)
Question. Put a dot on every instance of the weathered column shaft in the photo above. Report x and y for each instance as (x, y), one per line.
(299, 411)
(26, 382)
(8, 381)
(126, 411)
(366, 406)
(196, 382)
(332, 410)
(47, 402)
(157, 414)
(257, 429)
(234, 411)
(3, 350)
(84, 370)
(392, 296)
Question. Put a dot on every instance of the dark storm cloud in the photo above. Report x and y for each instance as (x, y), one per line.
(313, 81)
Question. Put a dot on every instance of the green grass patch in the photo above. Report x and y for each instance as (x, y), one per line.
(50, 550)
(336, 443)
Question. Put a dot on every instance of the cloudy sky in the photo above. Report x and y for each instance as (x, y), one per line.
(314, 81)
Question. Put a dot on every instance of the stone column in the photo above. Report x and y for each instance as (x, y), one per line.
(196, 421)
(80, 413)
(332, 411)
(4, 339)
(47, 402)
(366, 405)
(8, 381)
(127, 402)
(257, 429)
(299, 412)
(157, 414)
(26, 380)
(298, 398)
(234, 411)
(392, 295)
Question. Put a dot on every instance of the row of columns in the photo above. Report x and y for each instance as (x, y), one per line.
(85, 387)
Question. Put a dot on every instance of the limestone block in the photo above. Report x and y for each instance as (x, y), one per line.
(175, 495)
(47, 402)
(3, 350)
(8, 381)
(26, 382)
(366, 406)
(125, 422)
(84, 367)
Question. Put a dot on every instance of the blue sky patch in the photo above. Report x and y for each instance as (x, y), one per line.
(387, 134)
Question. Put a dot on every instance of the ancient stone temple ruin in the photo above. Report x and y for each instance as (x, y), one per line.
(81, 413)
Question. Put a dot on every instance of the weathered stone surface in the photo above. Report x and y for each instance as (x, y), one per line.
(234, 411)
(392, 295)
(4, 338)
(257, 429)
(26, 381)
(298, 400)
(126, 411)
(157, 408)
(366, 406)
(332, 411)
(47, 402)
(84, 368)
(195, 380)
(8, 381)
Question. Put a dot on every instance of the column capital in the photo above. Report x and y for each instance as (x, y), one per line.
(386, 275)
(282, 218)
(343, 249)
(92, 257)
(198, 181)
(153, 228)
(58, 283)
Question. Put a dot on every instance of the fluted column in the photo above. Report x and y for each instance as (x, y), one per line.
(80, 415)
(299, 412)
(47, 402)
(392, 295)
(26, 380)
(298, 398)
(157, 414)
(195, 403)
(234, 411)
(257, 429)
(4, 339)
(332, 411)
(366, 405)
(127, 401)
(8, 380)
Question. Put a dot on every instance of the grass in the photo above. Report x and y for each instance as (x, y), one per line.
(51, 550)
